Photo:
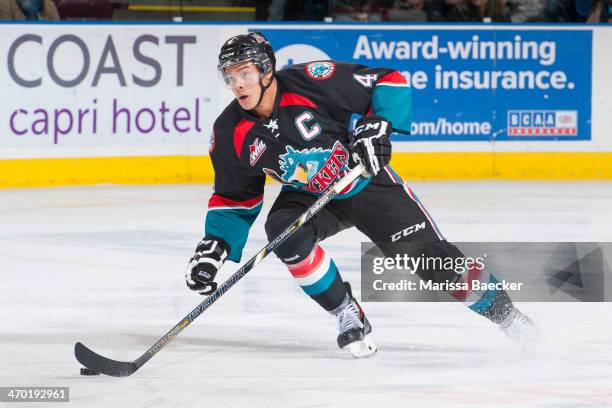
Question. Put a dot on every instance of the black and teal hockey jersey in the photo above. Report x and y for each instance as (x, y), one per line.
(304, 144)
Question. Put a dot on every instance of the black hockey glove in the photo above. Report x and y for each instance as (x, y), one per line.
(370, 143)
(210, 255)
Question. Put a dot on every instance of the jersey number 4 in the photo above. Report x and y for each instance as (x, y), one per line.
(308, 130)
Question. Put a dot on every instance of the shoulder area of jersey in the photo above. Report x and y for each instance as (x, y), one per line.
(230, 113)
(228, 119)
(314, 70)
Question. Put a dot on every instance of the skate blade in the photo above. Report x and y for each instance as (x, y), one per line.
(362, 349)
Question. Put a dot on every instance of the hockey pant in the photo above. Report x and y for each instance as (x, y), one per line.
(386, 210)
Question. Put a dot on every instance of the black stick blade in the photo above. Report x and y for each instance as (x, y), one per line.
(103, 365)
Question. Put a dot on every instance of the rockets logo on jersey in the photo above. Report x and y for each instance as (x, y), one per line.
(311, 169)
(320, 70)
(256, 150)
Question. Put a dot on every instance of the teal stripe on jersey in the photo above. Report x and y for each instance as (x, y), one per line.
(232, 225)
(324, 283)
(361, 183)
(394, 104)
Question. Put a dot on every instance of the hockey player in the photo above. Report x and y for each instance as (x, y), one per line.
(292, 125)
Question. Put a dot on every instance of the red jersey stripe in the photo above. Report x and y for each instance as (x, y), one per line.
(392, 78)
(240, 132)
(218, 201)
(289, 99)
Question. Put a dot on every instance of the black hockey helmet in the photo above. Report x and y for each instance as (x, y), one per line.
(252, 47)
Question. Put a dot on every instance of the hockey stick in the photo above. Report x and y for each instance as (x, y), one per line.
(103, 365)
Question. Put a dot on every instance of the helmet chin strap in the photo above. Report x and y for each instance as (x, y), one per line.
(263, 90)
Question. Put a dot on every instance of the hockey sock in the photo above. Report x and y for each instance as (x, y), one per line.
(319, 278)
(493, 304)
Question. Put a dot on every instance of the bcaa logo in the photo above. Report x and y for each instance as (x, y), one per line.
(298, 54)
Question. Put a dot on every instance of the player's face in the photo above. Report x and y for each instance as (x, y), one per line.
(243, 80)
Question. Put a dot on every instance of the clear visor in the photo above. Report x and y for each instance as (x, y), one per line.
(248, 69)
(240, 75)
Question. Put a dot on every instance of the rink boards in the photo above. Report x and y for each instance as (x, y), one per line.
(134, 103)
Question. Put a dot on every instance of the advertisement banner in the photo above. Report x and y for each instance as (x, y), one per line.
(135, 103)
(125, 90)
(497, 84)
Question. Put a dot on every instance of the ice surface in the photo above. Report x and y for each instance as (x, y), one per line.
(105, 265)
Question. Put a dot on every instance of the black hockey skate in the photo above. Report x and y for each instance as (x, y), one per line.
(354, 328)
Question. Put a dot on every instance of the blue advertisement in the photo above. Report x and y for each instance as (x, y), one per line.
(469, 85)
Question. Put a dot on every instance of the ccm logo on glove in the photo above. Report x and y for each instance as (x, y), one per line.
(366, 126)
(371, 144)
